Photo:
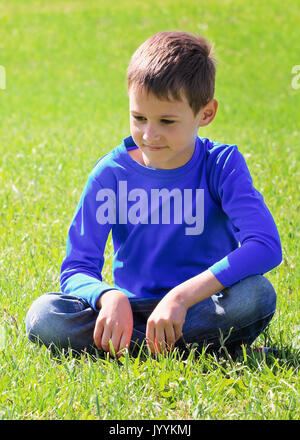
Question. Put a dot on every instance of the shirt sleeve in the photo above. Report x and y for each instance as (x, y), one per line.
(260, 247)
(82, 266)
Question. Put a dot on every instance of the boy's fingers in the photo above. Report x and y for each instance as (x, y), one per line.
(106, 336)
(170, 336)
(159, 339)
(98, 331)
(151, 345)
(150, 337)
(115, 342)
(125, 341)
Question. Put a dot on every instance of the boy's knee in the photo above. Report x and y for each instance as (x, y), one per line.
(254, 295)
(62, 321)
(40, 321)
(262, 290)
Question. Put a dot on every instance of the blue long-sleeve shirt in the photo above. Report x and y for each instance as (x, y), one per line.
(168, 225)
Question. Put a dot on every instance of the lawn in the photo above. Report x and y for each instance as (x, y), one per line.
(64, 105)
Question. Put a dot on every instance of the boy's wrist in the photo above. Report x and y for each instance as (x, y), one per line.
(197, 289)
(107, 295)
(180, 297)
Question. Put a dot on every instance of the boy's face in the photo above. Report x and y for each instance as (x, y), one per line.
(165, 131)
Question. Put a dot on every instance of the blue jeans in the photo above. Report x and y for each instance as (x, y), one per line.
(241, 311)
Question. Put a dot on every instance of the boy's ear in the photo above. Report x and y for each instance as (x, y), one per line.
(208, 112)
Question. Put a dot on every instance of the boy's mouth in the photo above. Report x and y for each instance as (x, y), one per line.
(154, 147)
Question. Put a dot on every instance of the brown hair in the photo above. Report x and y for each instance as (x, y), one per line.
(171, 62)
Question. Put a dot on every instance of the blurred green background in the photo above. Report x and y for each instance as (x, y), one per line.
(65, 105)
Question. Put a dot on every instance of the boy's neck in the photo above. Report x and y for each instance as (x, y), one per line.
(137, 155)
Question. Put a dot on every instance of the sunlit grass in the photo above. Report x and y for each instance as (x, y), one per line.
(64, 106)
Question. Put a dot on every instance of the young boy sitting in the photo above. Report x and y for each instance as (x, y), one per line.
(192, 237)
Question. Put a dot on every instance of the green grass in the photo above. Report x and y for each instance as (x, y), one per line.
(64, 106)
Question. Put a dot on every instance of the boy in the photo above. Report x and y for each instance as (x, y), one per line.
(178, 206)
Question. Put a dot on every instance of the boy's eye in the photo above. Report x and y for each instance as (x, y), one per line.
(164, 121)
(167, 121)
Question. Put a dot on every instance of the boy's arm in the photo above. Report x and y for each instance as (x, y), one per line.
(81, 274)
(260, 247)
(83, 263)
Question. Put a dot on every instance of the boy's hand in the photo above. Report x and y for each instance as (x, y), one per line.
(114, 322)
(164, 326)
(166, 321)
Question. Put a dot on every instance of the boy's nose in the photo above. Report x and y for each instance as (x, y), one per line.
(150, 135)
